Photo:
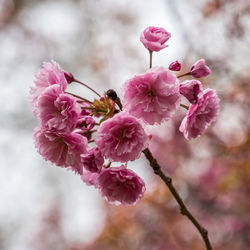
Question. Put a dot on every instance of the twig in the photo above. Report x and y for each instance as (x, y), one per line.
(183, 209)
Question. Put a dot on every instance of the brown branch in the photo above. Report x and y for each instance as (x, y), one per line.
(183, 209)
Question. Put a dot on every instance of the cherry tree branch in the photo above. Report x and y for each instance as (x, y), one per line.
(183, 209)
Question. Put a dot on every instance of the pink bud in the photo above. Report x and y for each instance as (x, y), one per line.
(175, 66)
(68, 76)
(200, 69)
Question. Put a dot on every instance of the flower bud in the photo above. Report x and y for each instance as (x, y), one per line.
(68, 76)
(175, 66)
(200, 69)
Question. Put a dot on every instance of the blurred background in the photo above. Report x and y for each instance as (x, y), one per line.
(43, 207)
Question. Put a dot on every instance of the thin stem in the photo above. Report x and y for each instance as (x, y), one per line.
(150, 58)
(90, 108)
(75, 80)
(91, 141)
(183, 209)
(184, 106)
(90, 131)
(186, 74)
(79, 97)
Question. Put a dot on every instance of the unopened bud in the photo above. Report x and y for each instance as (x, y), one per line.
(200, 69)
(175, 66)
(68, 76)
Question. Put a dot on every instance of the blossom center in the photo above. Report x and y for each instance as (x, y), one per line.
(150, 93)
(121, 133)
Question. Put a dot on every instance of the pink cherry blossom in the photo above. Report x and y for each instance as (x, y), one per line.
(121, 186)
(121, 138)
(93, 160)
(58, 110)
(86, 123)
(64, 150)
(200, 115)
(154, 38)
(191, 89)
(50, 74)
(175, 66)
(153, 96)
(200, 69)
(90, 178)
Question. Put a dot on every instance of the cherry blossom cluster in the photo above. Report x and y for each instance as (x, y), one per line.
(89, 137)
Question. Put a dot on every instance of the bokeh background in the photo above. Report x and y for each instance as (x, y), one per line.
(43, 207)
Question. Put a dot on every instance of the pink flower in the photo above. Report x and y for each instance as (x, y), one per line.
(121, 138)
(200, 69)
(153, 38)
(175, 66)
(58, 110)
(191, 89)
(86, 123)
(153, 96)
(64, 150)
(121, 186)
(200, 115)
(90, 178)
(50, 74)
(93, 160)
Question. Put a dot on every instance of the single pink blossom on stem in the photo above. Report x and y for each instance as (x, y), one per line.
(153, 96)
(154, 38)
(200, 69)
(58, 110)
(175, 66)
(120, 185)
(64, 150)
(93, 160)
(121, 138)
(200, 115)
(191, 89)
(50, 74)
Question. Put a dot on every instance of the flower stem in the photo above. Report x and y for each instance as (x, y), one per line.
(90, 131)
(150, 58)
(75, 80)
(186, 74)
(184, 106)
(79, 97)
(183, 209)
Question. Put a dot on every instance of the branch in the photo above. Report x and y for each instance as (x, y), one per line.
(183, 209)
